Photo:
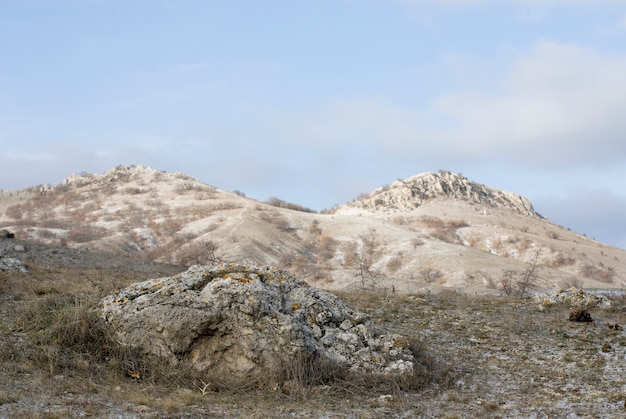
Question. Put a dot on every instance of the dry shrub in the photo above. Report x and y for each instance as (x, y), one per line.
(296, 374)
(445, 230)
(561, 260)
(69, 336)
(599, 272)
(276, 202)
(573, 282)
(83, 233)
(66, 331)
(394, 264)
(431, 275)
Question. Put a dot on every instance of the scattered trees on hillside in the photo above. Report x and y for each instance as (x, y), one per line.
(276, 202)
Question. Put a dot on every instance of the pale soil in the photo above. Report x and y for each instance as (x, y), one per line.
(495, 357)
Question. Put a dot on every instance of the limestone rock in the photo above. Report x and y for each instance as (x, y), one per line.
(406, 195)
(574, 297)
(243, 319)
(12, 265)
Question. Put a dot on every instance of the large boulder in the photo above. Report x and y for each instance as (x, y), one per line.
(243, 320)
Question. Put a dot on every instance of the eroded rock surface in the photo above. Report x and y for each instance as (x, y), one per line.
(239, 319)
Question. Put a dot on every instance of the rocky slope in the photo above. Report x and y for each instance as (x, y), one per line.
(428, 231)
(409, 194)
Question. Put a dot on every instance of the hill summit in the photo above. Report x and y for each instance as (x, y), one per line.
(406, 195)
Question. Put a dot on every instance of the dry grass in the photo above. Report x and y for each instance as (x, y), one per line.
(477, 356)
(53, 343)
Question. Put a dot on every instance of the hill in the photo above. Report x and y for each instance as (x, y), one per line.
(431, 230)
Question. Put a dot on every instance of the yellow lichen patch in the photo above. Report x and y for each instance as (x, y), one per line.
(401, 342)
(295, 306)
(158, 285)
(121, 300)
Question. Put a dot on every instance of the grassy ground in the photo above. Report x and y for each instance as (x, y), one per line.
(479, 356)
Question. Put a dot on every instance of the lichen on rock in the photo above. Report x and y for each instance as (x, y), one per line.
(244, 319)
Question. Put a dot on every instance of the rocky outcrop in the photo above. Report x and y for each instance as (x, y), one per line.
(574, 297)
(12, 265)
(243, 320)
(406, 195)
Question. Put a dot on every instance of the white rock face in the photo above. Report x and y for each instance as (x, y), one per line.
(406, 195)
(243, 319)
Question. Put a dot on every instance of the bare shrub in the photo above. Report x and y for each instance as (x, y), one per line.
(368, 277)
(599, 272)
(431, 275)
(83, 233)
(553, 235)
(15, 211)
(394, 264)
(445, 230)
(276, 202)
(133, 190)
(326, 248)
(573, 282)
(205, 252)
(561, 260)
(297, 374)
(517, 283)
(417, 242)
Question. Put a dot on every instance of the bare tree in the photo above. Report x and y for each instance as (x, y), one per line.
(368, 277)
(519, 282)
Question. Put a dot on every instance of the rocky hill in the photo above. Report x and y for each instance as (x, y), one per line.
(431, 230)
(409, 194)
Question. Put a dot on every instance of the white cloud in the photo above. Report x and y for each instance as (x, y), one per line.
(559, 105)
(562, 105)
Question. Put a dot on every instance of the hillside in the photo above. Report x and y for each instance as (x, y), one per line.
(431, 230)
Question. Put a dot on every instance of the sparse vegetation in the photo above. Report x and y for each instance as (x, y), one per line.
(276, 202)
(53, 342)
(445, 230)
(599, 272)
(517, 283)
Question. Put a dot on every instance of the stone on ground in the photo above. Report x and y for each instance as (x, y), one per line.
(243, 320)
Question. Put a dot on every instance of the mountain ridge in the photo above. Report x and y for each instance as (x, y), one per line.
(430, 230)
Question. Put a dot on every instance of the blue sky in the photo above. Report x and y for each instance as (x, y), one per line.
(315, 102)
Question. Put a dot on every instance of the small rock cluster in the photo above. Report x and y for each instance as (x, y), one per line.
(11, 265)
(241, 319)
(574, 297)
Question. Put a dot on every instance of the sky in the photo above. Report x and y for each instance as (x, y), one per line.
(316, 102)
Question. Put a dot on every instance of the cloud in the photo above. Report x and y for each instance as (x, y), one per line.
(562, 105)
(558, 106)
